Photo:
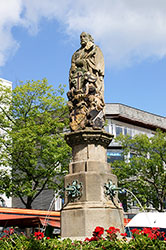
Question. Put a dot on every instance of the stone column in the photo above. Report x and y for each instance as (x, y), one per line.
(89, 168)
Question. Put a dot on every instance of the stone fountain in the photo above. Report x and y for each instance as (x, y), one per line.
(90, 187)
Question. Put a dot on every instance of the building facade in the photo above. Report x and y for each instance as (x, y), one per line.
(4, 201)
(122, 119)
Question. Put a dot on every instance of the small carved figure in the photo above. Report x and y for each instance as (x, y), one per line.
(86, 80)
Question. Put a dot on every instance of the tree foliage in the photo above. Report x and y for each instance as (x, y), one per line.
(145, 172)
(33, 118)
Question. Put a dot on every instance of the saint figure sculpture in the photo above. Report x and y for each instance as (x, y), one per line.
(86, 82)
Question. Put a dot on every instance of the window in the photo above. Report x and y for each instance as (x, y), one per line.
(107, 128)
(125, 131)
(130, 132)
(114, 154)
(118, 130)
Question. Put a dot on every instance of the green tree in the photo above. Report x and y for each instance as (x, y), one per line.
(145, 172)
(33, 118)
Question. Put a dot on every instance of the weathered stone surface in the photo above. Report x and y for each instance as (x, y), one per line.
(88, 166)
(88, 136)
(89, 144)
(86, 204)
(86, 79)
(80, 223)
(90, 169)
(92, 187)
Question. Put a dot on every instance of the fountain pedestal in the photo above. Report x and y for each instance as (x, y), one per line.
(90, 170)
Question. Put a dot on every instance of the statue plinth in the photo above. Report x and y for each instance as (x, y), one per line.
(89, 168)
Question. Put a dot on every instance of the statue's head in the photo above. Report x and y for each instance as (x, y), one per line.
(85, 38)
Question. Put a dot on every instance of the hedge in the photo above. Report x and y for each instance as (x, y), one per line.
(109, 239)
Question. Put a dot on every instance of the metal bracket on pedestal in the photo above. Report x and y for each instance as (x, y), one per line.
(111, 189)
(74, 190)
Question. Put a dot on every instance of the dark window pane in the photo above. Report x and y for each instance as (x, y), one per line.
(125, 131)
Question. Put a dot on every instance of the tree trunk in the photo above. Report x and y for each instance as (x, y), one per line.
(29, 203)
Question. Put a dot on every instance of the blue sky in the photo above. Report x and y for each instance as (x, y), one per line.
(38, 38)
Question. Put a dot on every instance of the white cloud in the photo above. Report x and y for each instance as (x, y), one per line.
(127, 30)
(9, 16)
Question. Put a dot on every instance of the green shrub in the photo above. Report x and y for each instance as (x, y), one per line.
(144, 239)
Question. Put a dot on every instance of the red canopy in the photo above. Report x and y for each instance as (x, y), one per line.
(28, 218)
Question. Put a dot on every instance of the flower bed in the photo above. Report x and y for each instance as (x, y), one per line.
(109, 239)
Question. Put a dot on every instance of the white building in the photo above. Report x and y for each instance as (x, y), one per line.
(4, 201)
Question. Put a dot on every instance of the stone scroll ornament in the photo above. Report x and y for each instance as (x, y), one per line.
(86, 81)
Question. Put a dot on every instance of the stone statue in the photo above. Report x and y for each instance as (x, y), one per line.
(86, 80)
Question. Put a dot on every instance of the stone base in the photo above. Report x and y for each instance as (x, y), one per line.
(89, 168)
(82, 215)
(80, 223)
(92, 187)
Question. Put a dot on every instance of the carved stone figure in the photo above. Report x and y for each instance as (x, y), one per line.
(86, 80)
